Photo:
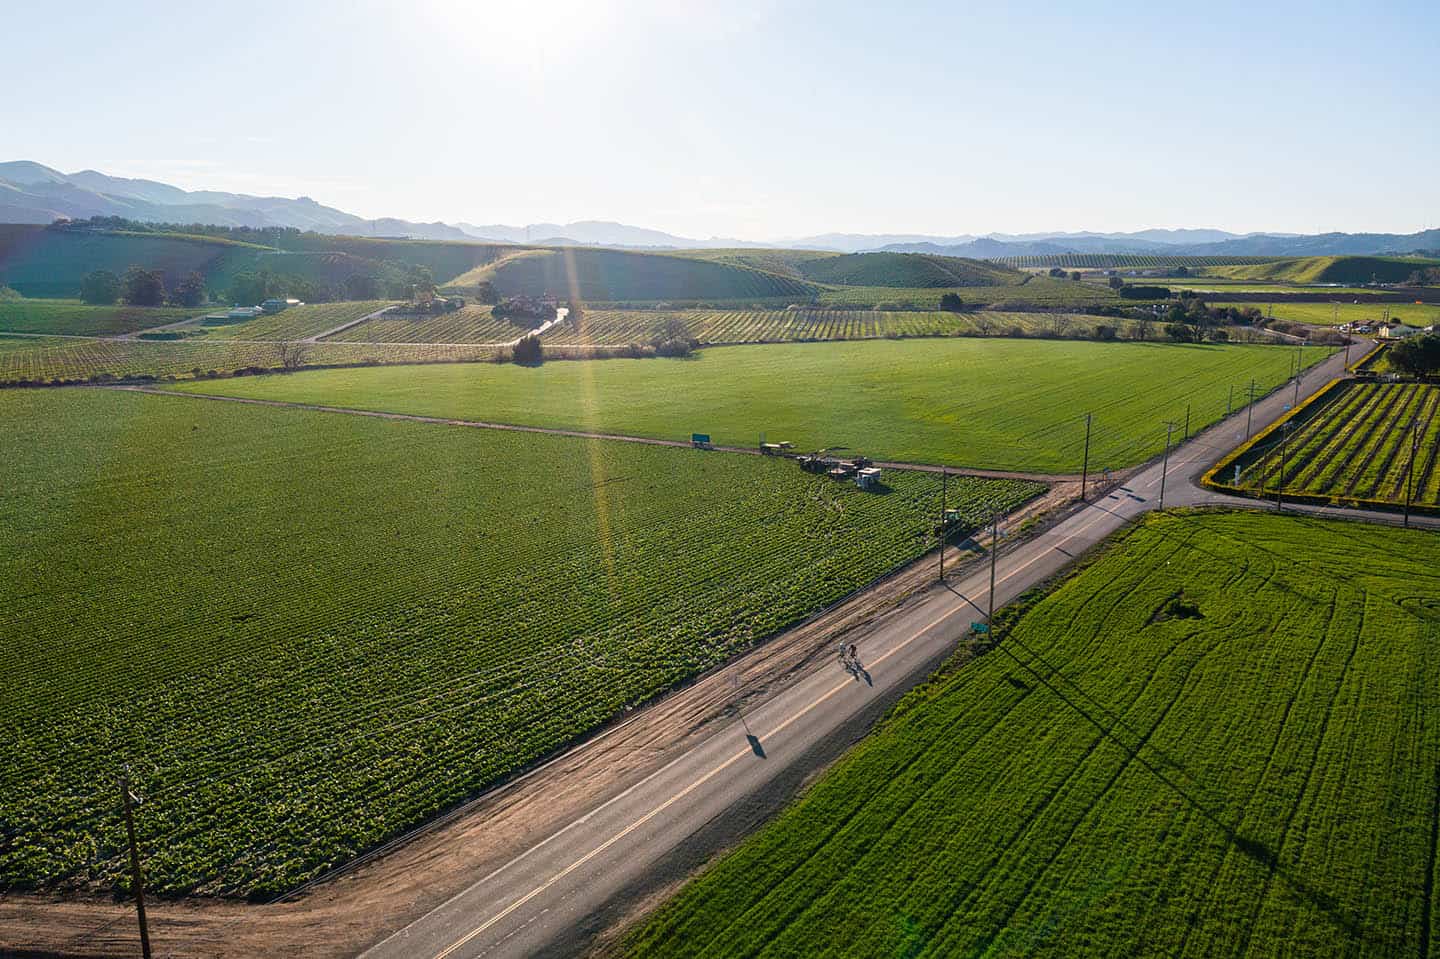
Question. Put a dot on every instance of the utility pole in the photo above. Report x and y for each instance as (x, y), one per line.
(1410, 467)
(1230, 401)
(1165, 462)
(1085, 463)
(994, 550)
(1297, 373)
(1250, 409)
(944, 486)
(1187, 422)
(137, 877)
(1280, 480)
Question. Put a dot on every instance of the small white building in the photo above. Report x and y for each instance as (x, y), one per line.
(1397, 332)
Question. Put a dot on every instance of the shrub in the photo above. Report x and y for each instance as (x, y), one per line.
(529, 352)
(100, 288)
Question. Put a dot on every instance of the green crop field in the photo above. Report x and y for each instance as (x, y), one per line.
(1357, 447)
(43, 360)
(470, 324)
(1036, 290)
(619, 327)
(1329, 314)
(1221, 285)
(73, 318)
(308, 631)
(1113, 261)
(916, 270)
(1330, 269)
(296, 323)
(1220, 739)
(998, 403)
(27, 344)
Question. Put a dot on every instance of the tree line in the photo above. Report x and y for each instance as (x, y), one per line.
(394, 280)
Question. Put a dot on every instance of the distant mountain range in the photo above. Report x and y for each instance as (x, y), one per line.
(33, 193)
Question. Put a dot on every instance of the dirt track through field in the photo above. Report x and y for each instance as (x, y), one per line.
(619, 437)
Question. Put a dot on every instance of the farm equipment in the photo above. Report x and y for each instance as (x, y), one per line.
(776, 449)
(836, 468)
(949, 521)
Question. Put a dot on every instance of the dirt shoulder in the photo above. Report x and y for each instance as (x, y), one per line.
(383, 891)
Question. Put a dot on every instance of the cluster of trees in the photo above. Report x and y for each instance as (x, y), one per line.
(394, 280)
(267, 236)
(1430, 276)
(951, 302)
(1418, 356)
(1060, 274)
(674, 339)
(1190, 320)
(141, 287)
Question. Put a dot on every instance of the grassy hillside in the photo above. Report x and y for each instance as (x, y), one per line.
(609, 275)
(915, 270)
(1015, 404)
(1219, 740)
(307, 632)
(38, 261)
(783, 262)
(1330, 269)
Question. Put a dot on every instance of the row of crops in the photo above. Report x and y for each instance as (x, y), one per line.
(46, 360)
(296, 323)
(306, 632)
(1358, 447)
(1100, 261)
(470, 324)
(1217, 740)
(616, 327)
(619, 327)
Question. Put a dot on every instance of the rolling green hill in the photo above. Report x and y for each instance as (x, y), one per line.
(1329, 269)
(46, 262)
(913, 270)
(610, 275)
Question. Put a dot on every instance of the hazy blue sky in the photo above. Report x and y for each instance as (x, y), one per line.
(753, 119)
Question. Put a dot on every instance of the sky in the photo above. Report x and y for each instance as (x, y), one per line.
(753, 119)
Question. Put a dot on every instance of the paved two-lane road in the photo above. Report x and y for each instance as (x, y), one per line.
(545, 899)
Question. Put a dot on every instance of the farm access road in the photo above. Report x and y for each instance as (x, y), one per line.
(554, 861)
